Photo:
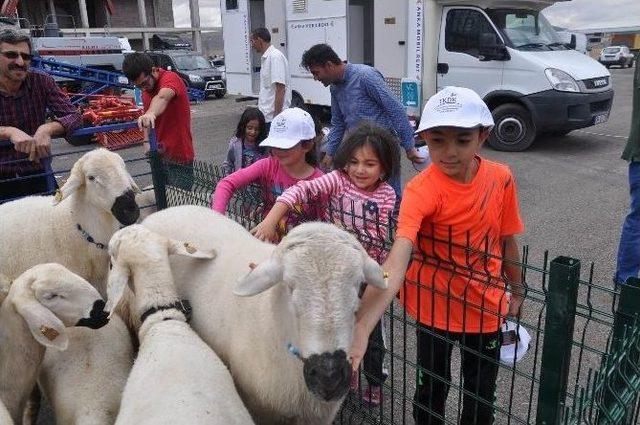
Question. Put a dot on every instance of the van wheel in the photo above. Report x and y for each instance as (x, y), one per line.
(297, 101)
(514, 130)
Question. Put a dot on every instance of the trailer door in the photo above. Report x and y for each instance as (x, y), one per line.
(237, 47)
(311, 22)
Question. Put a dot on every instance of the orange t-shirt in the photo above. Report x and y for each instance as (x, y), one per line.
(456, 230)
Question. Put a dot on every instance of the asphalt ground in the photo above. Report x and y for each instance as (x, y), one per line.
(573, 194)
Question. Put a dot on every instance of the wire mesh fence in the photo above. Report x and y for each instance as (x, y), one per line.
(583, 359)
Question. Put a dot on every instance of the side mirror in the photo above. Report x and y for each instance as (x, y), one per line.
(572, 43)
(491, 49)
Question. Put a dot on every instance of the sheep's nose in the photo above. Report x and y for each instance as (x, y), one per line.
(125, 209)
(97, 318)
(327, 374)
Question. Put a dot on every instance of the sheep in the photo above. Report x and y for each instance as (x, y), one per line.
(283, 329)
(5, 417)
(177, 378)
(84, 384)
(73, 227)
(41, 303)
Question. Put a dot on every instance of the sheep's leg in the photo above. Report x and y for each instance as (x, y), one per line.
(31, 409)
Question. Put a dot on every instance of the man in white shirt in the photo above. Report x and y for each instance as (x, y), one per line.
(275, 80)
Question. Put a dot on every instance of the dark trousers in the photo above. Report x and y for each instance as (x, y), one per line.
(628, 263)
(27, 185)
(374, 357)
(434, 375)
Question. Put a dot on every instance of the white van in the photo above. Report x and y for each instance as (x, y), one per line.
(505, 50)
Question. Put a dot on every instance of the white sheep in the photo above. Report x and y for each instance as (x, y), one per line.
(73, 227)
(84, 383)
(285, 337)
(41, 303)
(176, 379)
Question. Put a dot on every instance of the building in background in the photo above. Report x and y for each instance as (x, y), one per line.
(138, 20)
(599, 38)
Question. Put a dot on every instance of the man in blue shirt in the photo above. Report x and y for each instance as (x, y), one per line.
(359, 93)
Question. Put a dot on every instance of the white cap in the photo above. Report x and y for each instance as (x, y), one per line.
(515, 351)
(455, 107)
(288, 128)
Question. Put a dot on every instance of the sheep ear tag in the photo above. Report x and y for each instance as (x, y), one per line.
(259, 279)
(188, 249)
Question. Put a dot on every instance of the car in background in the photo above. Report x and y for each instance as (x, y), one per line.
(196, 71)
(617, 55)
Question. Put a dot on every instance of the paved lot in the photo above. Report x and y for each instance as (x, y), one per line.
(573, 195)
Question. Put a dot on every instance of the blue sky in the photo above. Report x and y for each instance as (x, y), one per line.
(571, 14)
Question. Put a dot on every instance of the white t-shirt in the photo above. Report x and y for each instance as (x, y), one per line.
(274, 69)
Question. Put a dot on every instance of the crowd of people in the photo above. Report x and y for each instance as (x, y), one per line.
(274, 149)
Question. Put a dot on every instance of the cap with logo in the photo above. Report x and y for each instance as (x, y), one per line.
(455, 107)
(515, 342)
(288, 128)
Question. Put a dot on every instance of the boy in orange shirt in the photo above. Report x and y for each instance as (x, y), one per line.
(465, 210)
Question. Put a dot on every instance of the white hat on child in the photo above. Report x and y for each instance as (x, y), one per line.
(288, 128)
(455, 107)
(515, 342)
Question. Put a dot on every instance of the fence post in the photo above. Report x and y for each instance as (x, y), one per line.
(625, 319)
(157, 172)
(561, 302)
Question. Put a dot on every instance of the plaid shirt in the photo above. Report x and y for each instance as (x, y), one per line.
(27, 111)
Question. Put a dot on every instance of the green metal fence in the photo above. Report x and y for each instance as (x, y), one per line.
(583, 362)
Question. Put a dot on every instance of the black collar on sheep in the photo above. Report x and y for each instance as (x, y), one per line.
(183, 306)
(89, 238)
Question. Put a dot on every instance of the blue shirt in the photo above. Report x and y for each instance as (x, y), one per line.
(364, 95)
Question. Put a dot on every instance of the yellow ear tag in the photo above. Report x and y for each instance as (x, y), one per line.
(189, 248)
(49, 333)
(385, 275)
(58, 195)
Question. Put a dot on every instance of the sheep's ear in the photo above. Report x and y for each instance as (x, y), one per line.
(118, 280)
(260, 278)
(75, 180)
(45, 327)
(189, 250)
(373, 273)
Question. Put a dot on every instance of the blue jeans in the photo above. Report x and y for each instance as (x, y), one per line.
(629, 249)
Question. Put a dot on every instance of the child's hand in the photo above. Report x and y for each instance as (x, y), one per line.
(358, 347)
(265, 231)
(515, 305)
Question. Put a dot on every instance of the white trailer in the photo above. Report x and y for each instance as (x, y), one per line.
(505, 50)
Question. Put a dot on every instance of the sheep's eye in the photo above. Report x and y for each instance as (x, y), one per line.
(49, 297)
(92, 178)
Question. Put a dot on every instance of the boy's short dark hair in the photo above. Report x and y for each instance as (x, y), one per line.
(135, 64)
(319, 55)
(383, 143)
(261, 33)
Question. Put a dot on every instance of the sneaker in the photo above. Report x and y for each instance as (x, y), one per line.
(372, 396)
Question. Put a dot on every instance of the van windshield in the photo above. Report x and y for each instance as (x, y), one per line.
(526, 29)
(191, 63)
(612, 50)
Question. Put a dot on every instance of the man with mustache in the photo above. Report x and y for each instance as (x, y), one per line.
(25, 97)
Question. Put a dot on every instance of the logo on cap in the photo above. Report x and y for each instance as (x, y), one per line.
(448, 103)
(279, 126)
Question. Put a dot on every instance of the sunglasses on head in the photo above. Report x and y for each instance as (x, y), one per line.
(14, 55)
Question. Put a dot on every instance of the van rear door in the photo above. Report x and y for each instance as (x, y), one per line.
(237, 47)
(308, 23)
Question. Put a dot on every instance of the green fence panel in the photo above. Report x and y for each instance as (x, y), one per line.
(562, 298)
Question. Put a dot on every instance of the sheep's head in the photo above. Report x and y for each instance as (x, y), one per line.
(106, 184)
(322, 268)
(50, 298)
(137, 247)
